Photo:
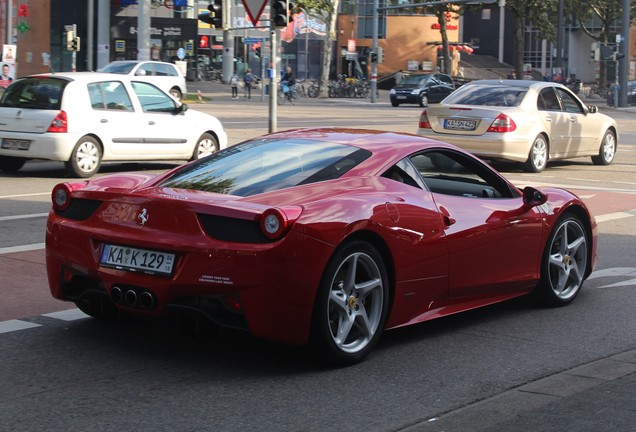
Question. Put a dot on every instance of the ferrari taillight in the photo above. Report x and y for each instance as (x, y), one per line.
(275, 222)
(502, 123)
(424, 123)
(62, 195)
(59, 123)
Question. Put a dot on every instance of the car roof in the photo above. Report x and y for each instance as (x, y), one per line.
(81, 76)
(515, 83)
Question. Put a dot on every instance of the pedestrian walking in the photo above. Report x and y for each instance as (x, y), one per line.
(399, 76)
(234, 85)
(248, 80)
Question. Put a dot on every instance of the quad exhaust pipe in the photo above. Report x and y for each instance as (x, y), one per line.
(132, 298)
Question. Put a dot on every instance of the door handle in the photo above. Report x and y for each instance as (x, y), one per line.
(151, 122)
(103, 121)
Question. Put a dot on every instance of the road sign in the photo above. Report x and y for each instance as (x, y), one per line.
(252, 40)
(254, 9)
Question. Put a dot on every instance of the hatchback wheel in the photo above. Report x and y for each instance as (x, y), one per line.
(176, 93)
(206, 145)
(351, 305)
(607, 152)
(86, 157)
(564, 262)
(11, 164)
(538, 156)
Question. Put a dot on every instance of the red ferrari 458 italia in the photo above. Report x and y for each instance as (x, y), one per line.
(316, 237)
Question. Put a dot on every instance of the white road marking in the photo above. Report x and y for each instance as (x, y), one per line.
(14, 325)
(67, 315)
(615, 216)
(24, 216)
(21, 248)
(25, 195)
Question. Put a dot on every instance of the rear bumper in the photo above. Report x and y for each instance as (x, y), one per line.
(488, 146)
(48, 146)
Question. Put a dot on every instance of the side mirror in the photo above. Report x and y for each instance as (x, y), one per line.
(182, 108)
(533, 197)
(592, 109)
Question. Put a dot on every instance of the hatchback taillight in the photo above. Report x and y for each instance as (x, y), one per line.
(502, 123)
(59, 123)
(424, 123)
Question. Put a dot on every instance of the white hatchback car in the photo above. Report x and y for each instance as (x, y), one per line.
(84, 118)
(166, 76)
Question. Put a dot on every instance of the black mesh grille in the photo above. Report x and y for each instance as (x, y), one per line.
(232, 229)
(80, 209)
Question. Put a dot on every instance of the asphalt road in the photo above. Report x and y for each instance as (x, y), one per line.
(62, 371)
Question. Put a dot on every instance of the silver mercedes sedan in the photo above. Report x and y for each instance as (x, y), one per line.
(532, 122)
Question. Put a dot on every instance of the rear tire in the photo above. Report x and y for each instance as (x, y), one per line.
(11, 164)
(351, 305)
(607, 152)
(538, 156)
(206, 145)
(176, 93)
(86, 158)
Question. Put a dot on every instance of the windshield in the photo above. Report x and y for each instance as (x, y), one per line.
(35, 93)
(490, 95)
(414, 80)
(122, 68)
(267, 164)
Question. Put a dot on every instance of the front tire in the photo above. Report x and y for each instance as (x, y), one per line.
(607, 152)
(86, 158)
(538, 156)
(11, 164)
(423, 100)
(206, 145)
(351, 306)
(564, 262)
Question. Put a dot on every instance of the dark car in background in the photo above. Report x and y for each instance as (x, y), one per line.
(422, 89)
(631, 94)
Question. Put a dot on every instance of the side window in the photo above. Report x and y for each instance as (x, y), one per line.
(165, 70)
(452, 173)
(569, 103)
(446, 80)
(111, 95)
(405, 172)
(152, 99)
(146, 69)
(548, 100)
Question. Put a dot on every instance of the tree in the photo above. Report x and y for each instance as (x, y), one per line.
(329, 10)
(607, 12)
(541, 14)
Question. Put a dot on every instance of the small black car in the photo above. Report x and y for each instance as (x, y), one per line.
(422, 89)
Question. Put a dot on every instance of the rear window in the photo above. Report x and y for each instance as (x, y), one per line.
(263, 165)
(491, 95)
(34, 93)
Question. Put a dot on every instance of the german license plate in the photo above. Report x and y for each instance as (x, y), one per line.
(137, 260)
(460, 124)
(15, 144)
(401, 97)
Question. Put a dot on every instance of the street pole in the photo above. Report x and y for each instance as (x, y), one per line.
(502, 27)
(374, 49)
(624, 62)
(273, 90)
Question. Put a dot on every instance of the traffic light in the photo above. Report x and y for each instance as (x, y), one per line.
(75, 44)
(214, 15)
(281, 15)
(617, 56)
(374, 57)
(380, 54)
(70, 36)
(596, 51)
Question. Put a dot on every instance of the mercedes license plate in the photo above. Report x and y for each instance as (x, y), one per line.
(137, 260)
(15, 144)
(460, 124)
